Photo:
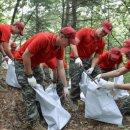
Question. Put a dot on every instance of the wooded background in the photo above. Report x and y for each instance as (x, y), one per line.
(51, 15)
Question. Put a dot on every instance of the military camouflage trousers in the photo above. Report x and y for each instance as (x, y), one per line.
(125, 107)
(75, 75)
(59, 85)
(47, 75)
(29, 95)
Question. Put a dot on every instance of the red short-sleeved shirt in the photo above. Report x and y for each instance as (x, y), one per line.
(105, 62)
(88, 43)
(127, 65)
(42, 47)
(5, 32)
(53, 64)
(13, 53)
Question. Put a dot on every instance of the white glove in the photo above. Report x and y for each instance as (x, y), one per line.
(6, 58)
(78, 61)
(54, 85)
(66, 91)
(98, 77)
(32, 82)
(108, 85)
(90, 70)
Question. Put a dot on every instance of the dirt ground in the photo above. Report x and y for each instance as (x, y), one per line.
(12, 112)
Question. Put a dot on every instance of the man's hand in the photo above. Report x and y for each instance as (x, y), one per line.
(90, 70)
(98, 77)
(6, 58)
(54, 85)
(66, 92)
(32, 81)
(108, 85)
(78, 61)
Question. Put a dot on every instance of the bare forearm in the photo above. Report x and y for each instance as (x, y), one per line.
(123, 86)
(74, 49)
(6, 51)
(62, 76)
(94, 62)
(110, 74)
(9, 54)
(115, 73)
(55, 75)
(27, 65)
(2, 50)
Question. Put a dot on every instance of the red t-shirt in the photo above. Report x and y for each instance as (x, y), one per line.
(53, 64)
(13, 52)
(42, 47)
(127, 65)
(105, 62)
(5, 33)
(88, 43)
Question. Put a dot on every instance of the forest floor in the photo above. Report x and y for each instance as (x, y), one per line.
(12, 113)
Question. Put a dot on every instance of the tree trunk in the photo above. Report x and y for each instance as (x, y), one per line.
(74, 14)
(15, 11)
(37, 19)
(67, 13)
(63, 14)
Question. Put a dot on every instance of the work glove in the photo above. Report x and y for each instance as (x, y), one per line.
(108, 85)
(54, 85)
(90, 70)
(98, 77)
(6, 58)
(32, 81)
(66, 92)
(78, 61)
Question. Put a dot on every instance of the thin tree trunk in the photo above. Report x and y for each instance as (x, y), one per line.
(37, 19)
(15, 11)
(67, 13)
(74, 14)
(63, 14)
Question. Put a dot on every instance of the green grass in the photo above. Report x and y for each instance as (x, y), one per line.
(127, 78)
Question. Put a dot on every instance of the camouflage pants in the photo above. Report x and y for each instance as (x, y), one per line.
(125, 107)
(75, 75)
(59, 85)
(47, 77)
(29, 95)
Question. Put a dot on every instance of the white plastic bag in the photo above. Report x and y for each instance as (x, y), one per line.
(55, 115)
(118, 93)
(11, 76)
(4, 64)
(99, 103)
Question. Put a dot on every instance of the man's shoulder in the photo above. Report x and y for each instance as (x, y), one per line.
(5, 27)
(105, 53)
(44, 35)
(86, 29)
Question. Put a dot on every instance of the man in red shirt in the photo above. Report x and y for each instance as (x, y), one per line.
(13, 48)
(110, 60)
(40, 48)
(125, 108)
(90, 46)
(5, 34)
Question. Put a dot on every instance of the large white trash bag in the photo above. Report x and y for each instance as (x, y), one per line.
(11, 76)
(55, 115)
(4, 65)
(118, 93)
(99, 103)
